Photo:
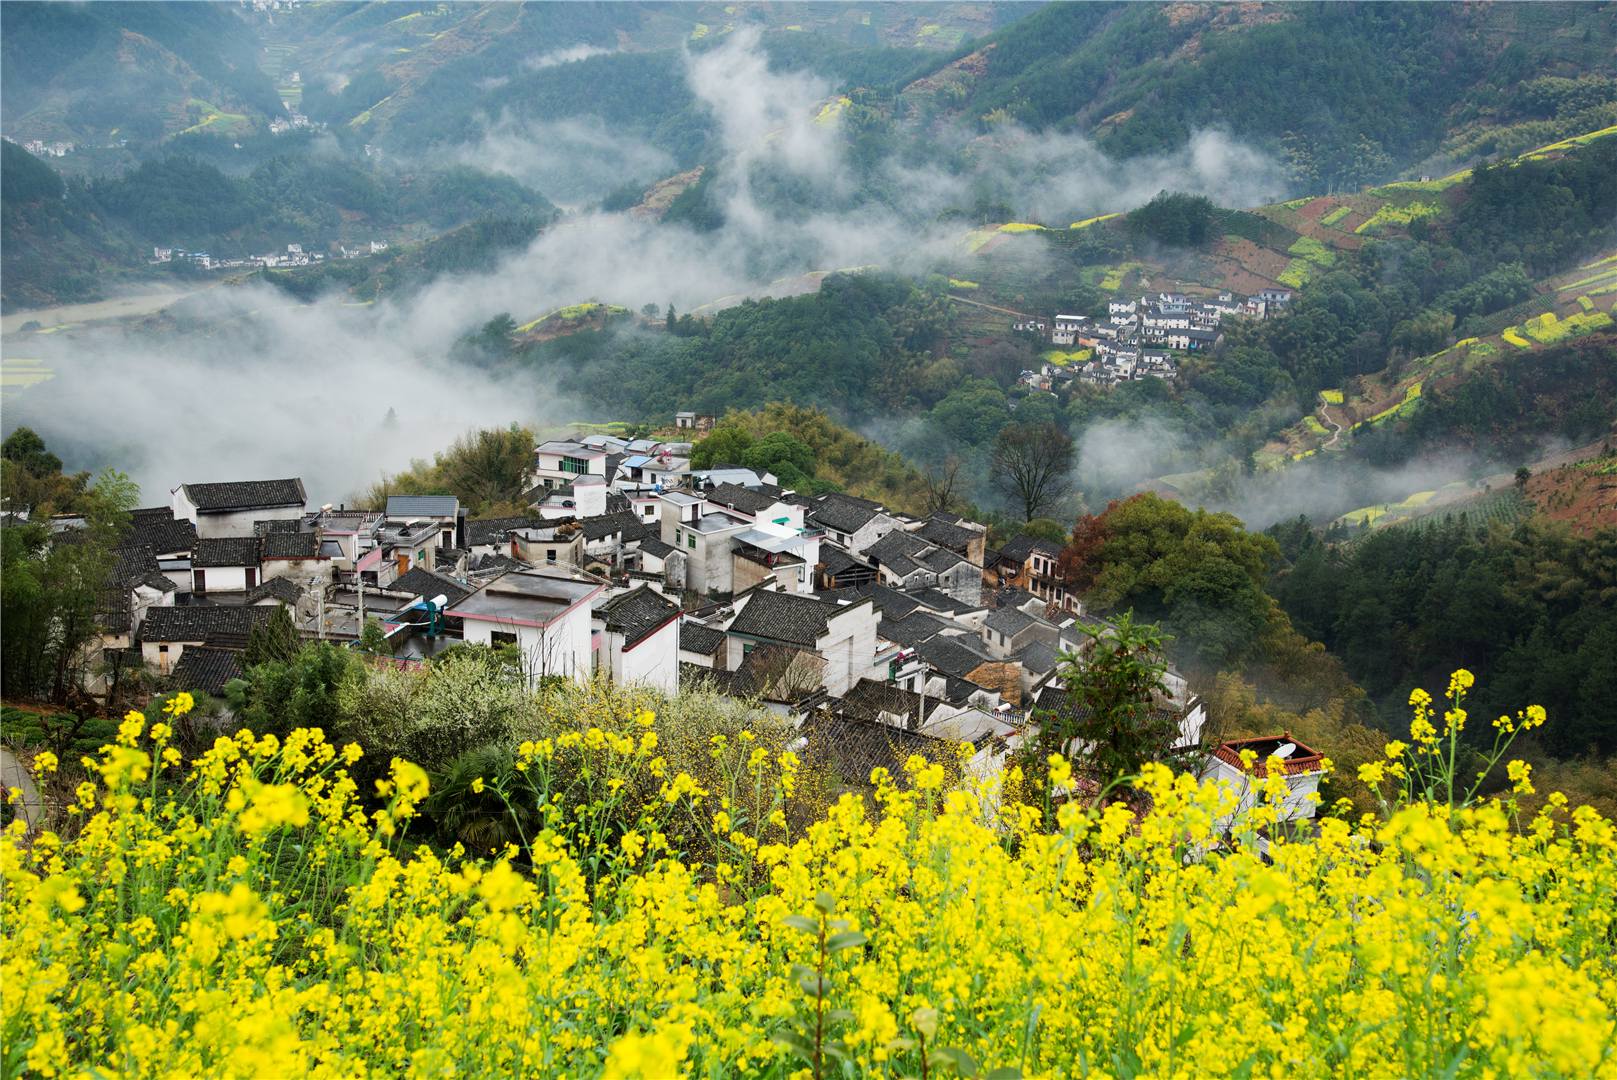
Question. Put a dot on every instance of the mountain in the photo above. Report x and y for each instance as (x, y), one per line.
(97, 73)
(1349, 93)
(69, 240)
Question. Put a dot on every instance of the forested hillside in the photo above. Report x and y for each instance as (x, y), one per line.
(1348, 93)
(75, 240)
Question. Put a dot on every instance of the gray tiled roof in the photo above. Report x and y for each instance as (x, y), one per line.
(836, 561)
(853, 748)
(604, 525)
(946, 533)
(1021, 547)
(246, 495)
(200, 622)
(637, 613)
(1008, 621)
(654, 546)
(420, 581)
(867, 698)
(493, 530)
(156, 528)
(844, 513)
(276, 588)
(914, 628)
(952, 655)
(1038, 657)
(226, 551)
(206, 669)
(277, 525)
(291, 545)
(785, 617)
(699, 639)
(739, 498)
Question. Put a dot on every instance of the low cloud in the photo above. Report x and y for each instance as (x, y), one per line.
(571, 54)
(570, 161)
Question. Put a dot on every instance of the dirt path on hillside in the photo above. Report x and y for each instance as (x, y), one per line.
(1336, 429)
(992, 307)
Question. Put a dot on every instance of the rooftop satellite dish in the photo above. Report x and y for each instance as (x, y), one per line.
(1285, 750)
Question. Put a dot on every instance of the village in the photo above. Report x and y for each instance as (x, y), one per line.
(876, 633)
(1140, 338)
(295, 255)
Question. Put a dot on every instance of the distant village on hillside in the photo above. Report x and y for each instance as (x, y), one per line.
(877, 633)
(1139, 338)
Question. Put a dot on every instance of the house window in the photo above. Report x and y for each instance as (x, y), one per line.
(679, 536)
(550, 553)
(576, 466)
(251, 577)
(501, 637)
(200, 580)
(691, 541)
(162, 659)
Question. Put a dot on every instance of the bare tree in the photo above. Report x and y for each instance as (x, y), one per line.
(942, 485)
(1029, 465)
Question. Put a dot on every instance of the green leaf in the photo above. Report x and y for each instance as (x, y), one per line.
(963, 1063)
(793, 1042)
(813, 985)
(1005, 1072)
(839, 1016)
(825, 902)
(848, 939)
(803, 923)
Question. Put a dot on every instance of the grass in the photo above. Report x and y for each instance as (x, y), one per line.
(1336, 215)
(212, 117)
(1516, 339)
(1331, 397)
(961, 283)
(1297, 273)
(1062, 359)
(1021, 227)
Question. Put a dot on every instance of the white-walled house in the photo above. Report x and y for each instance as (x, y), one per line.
(851, 522)
(544, 612)
(705, 536)
(844, 636)
(639, 639)
(560, 461)
(167, 632)
(230, 509)
(226, 564)
(443, 510)
(1303, 767)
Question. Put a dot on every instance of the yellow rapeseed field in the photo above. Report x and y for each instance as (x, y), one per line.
(242, 914)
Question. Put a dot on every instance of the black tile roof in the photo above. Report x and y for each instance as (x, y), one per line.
(1038, 657)
(699, 639)
(653, 545)
(207, 669)
(291, 545)
(200, 622)
(844, 513)
(604, 525)
(493, 530)
(1008, 621)
(891, 603)
(784, 617)
(277, 525)
(895, 547)
(156, 528)
(739, 498)
(937, 600)
(637, 613)
(246, 495)
(226, 551)
(914, 628)
(276, 588)
(1021, 547)
(420, 581)
(837, 561)
(952, 655)
(854, 748)
(867, 698)
(947, 533)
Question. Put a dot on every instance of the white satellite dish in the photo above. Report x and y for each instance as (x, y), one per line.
(1285, 750)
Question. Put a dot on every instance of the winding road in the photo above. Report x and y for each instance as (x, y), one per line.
(1336, 429)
